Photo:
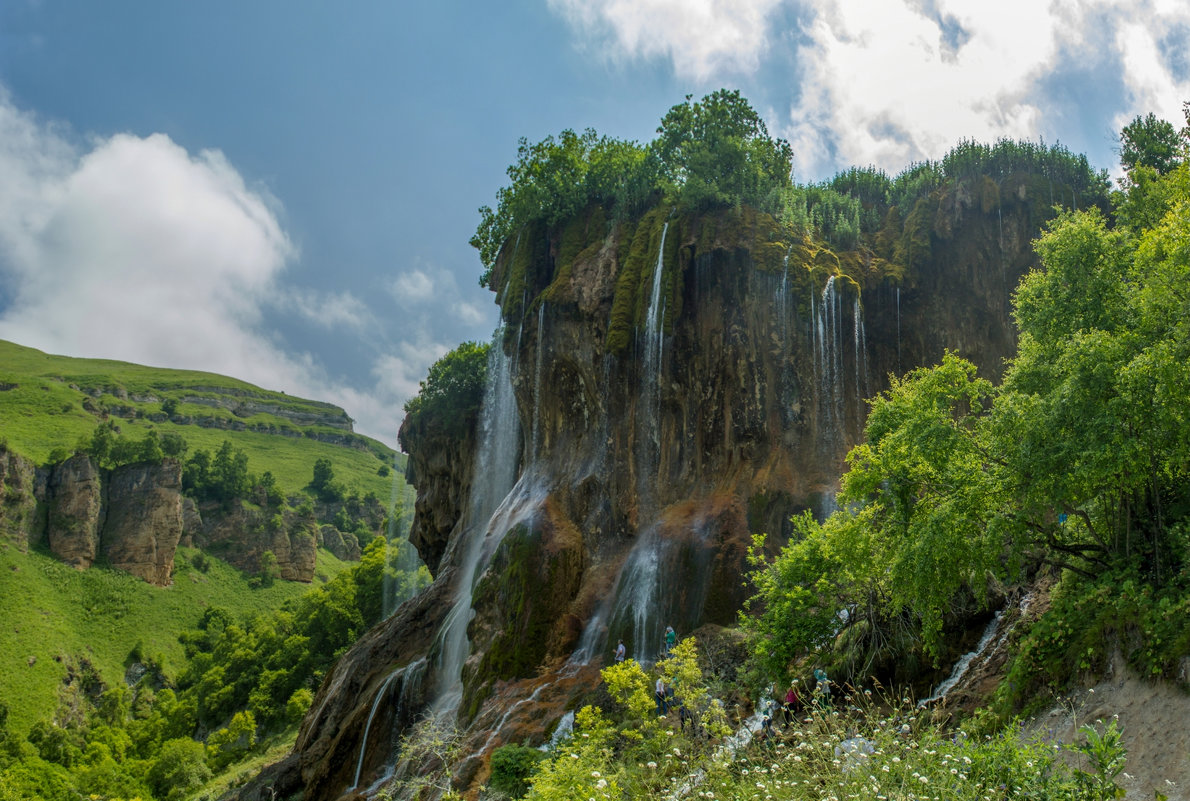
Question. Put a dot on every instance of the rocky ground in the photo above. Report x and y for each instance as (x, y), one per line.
(1154, 719)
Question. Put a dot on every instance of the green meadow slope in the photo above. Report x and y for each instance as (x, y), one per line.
(48, 404)
(54, 617)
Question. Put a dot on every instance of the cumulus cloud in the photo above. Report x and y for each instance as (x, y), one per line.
(412, 287)
(328, 309)
(701, 37)
(889, 82)
(133, 248)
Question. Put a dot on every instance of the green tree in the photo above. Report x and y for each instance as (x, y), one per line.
(269, 569)
(717, 151)
(1152, 143)
(451, 394)
(179, 769)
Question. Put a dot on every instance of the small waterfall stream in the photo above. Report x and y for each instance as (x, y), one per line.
(828, 368)
(964, 662)
(649, 407)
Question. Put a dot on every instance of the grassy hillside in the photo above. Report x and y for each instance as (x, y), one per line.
(49, 403)
(53, 614)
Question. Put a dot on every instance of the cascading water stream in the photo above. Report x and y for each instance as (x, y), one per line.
(537, 404)
(861, 352)
(495, 475)
(964, 662)
(649, 408)
(828, 368)
(398, 553)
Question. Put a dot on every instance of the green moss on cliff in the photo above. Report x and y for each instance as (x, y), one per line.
(631, 296)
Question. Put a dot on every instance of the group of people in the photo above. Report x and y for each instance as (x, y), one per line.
(790, 708)
(671, 639)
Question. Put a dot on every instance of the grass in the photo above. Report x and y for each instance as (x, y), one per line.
(53, 614)
(42, 399)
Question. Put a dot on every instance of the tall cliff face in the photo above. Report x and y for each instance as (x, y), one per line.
(144, 520)
(677, 385)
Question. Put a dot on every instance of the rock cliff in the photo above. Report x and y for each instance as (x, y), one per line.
(21, 507)
(144, 520)
(671, 385)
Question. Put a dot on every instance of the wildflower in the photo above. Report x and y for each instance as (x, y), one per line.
(651, 766)
(594, 774)
(574, 756)
(924, 779)
(602, 783)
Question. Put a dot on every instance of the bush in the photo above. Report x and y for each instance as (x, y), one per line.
(512, 766)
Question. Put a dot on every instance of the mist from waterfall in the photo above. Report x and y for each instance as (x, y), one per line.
(400, 557)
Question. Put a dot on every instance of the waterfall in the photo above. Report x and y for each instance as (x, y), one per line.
(649, 402)
(359, 765)
(399, 555)
(495, 473)
(563, 732)
(782, 300)
(960, 667)
(537, 380)
(861, 353)
(663, 582)
(411, 676)
(826, 327)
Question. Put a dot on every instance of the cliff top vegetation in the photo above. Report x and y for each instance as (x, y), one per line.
(717, 153)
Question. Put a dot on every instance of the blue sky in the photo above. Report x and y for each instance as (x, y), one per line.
(283, 192)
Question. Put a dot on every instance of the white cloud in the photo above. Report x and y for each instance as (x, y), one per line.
(469, 314)
(701, 37)
(889, 82)
(412, 287)
(328, 309)
(135, 249)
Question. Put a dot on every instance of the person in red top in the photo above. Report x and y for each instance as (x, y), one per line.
(793, 703)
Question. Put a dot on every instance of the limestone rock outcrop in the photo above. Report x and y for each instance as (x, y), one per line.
(22, 496)
(144, 519)
(75, 511)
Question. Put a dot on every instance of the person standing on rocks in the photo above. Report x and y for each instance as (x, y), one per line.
(671, 638)
(621, 652)
(659, 696)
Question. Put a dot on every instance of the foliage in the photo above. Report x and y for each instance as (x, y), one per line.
(556, 178)
(450, 396)
(708, 153)
(718, 152)
(179, 769)
(223, 478)
(512, 766)
(875, 748)
(1151, 143)
(1078, 461)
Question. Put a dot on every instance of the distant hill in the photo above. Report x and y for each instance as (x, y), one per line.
(231, 551)
(48, 404)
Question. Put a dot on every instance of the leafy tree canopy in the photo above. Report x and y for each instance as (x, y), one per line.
(451, 394)
(1080, 460)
